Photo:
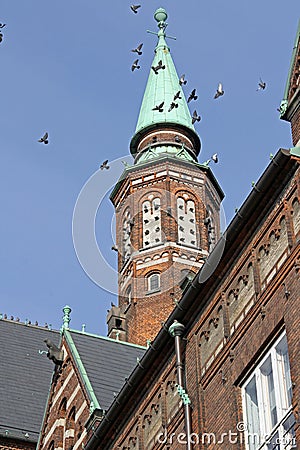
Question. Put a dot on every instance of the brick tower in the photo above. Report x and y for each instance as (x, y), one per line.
(167, 206)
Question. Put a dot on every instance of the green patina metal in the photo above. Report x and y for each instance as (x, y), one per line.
(295, 151)
(94, 404)
(66, 317)
(162, 87)
(160, 150)
(183, 395)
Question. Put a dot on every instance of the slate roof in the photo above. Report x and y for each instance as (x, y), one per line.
(107, 363)
(25, 377)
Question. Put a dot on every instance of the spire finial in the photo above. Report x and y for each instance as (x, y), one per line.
(161, 16)
(66, 317)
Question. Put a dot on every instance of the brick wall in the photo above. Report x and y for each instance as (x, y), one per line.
(295, 123)
(247, 311)
(12, 444)
(166, 180)
(67, 409)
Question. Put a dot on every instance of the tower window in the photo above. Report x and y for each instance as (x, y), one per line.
(128, 294)
(151, 221)
(154, 282)
(186, 214)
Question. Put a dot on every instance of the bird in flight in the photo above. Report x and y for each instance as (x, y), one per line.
(104, 165)
(2, 25)
(172, 106)
(159, 108)
(177, 96)
(1, 37)
(192, 96)
(158, 67)
(135, 65)
(261, 85)
(182, 80)
(220, 91)
(138, 49)
(135, 8)
(195, 117)
(44, 139)
(215, 158)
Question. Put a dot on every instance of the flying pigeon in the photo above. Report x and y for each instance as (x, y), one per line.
(215, 158)
(177, 96)
(261, 85)
(138, 49)
(135, 65)
(219, 91)
(195, 117)
(182, 80)
(44, 139)
(114, 248)
(192, 96)
(104, 165)
(1, 37)
(159, 108)
(158, 67)
(134, 8)
(172, 106)
(2, 25)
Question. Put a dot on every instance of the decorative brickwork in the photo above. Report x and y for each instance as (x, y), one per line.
(67, 409)
(235, 327)
(169, 212)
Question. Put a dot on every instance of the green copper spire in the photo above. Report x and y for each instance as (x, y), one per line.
(162, 85)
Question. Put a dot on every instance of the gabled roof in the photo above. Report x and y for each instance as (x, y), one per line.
(103, 364)
(162, 85)
(25, 377)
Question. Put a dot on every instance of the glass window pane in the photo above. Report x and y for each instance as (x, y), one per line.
(268, 393)
(154, 282)
(283, 367)
(253, 429)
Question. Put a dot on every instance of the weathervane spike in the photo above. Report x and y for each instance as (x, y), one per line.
(160, 16)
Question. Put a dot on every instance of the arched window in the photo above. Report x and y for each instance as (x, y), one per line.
(126, 240)
(154, 282)
(151, 222)
(186, 222)
(63, 408)
(128, 294)
(211, 230)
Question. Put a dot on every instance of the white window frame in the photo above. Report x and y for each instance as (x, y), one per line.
(155, 289)
(283, 408)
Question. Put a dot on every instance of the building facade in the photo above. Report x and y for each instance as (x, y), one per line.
(221, 368)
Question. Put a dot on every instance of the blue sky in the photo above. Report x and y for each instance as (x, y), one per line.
(65, 69)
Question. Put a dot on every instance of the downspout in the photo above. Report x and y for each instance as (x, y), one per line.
(176, 330)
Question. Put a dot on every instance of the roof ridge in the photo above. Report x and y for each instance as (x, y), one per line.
(105, 338)
(27, 323)
(82, 371)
